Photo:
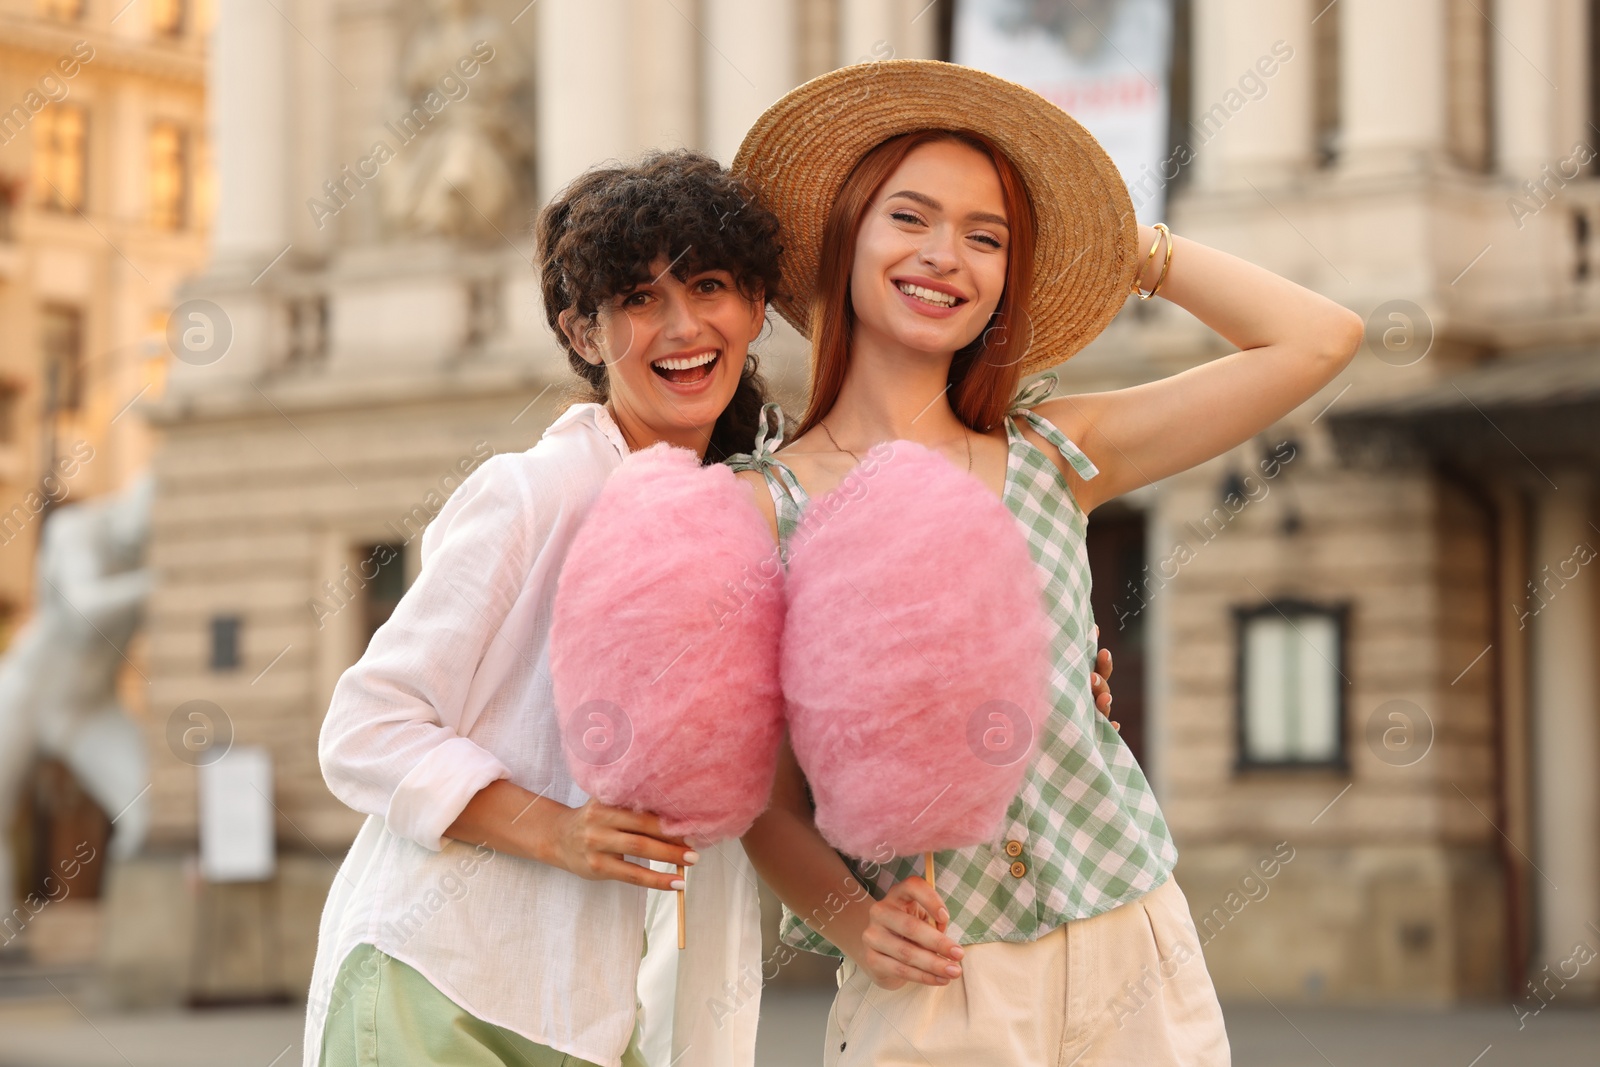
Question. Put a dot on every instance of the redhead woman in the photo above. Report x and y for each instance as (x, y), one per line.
(489, 912)
(946, 233)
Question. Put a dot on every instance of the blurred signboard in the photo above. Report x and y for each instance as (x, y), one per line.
(1106, 62)
(236, 825)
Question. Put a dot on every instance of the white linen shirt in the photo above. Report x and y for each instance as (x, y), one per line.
(453, 693)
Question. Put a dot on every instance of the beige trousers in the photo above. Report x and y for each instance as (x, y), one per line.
(1127, 987)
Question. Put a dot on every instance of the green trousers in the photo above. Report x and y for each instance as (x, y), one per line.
(384, 1012)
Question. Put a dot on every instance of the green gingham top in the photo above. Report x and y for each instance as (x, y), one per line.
(1085, 833)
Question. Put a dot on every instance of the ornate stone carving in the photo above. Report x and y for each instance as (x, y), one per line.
(461, 168)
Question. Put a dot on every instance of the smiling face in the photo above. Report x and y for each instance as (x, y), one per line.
(931, 253)
(673, 350)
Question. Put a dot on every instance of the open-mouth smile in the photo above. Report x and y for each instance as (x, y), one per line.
(687, 370)
(929, 296)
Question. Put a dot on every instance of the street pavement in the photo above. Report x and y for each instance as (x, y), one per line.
(58, 1033)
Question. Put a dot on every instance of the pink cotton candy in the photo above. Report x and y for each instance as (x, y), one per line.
(664, 647)
(915, 656)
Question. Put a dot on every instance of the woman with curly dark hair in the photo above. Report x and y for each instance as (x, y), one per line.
(489, 912)
(615, 234)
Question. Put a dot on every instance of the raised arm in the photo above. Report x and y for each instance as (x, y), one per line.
(1291, 343)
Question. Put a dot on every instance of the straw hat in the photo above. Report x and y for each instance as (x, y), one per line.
(799, 152)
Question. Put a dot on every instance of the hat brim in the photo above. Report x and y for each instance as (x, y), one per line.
(801, 149)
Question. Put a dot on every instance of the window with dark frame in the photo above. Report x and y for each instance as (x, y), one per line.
(61, 343)
(60, 145)
(225, 642)
(1291, 685)
(1117, 542)
(169, 176)
(383, 568)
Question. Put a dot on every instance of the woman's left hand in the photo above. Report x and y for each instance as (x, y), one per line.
(1100, 682)
(905, 938)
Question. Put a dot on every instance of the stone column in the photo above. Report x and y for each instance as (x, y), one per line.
(583, 88)
(249, 98)
(1564, 607)
(1524, 86)
(1235, 137)
(336, 124)
(749, 62)
(1392, 92)
(1570, 36)
(667, 54)
(886, 29)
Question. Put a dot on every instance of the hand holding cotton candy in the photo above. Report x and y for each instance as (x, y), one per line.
(915, 656)
(664, 644)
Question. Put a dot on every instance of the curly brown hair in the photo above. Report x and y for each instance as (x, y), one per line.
(600, 234)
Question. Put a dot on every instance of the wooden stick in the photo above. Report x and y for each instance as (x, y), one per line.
(682, 929)
(927, 868)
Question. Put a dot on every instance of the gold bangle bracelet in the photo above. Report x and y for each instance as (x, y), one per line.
(1148, 259)
(1166, 263)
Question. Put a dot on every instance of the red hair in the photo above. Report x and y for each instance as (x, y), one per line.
(985, 373)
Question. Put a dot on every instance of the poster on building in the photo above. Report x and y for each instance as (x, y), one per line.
(1105, 62)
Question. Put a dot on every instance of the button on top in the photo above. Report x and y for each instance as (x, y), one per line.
(1018, 869)
(1013, 848)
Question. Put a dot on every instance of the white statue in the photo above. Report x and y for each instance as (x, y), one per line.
(58, 679)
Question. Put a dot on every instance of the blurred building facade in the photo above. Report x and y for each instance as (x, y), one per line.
(104, 208)
(1433, 763)
(104, 203)
(1357, 655)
